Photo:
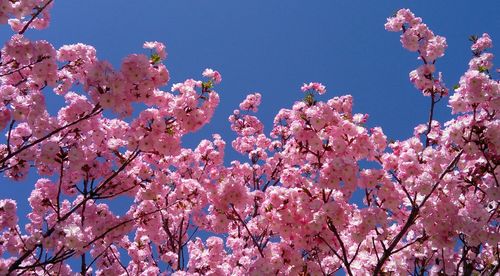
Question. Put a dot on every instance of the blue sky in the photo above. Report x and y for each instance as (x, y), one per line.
(272, 47)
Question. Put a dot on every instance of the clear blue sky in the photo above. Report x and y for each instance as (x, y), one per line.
(272, 47)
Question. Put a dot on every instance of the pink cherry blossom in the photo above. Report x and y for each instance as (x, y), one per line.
(483, 43)
(287, 206)
(315, 86)
(158, 47)
(212, 74)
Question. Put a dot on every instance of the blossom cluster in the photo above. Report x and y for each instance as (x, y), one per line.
(289, 206)
(417, 37)
(19, 14)
(314, 86)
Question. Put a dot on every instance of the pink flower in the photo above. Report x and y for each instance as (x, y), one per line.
(394, 24)
(288, 207)
(251, 102)
(212, 74)
(8, 217)
(4, 117)
(435, 48)
(484, 61)
(483, 43)
(422, 77)
(402, 17)
(315, 86)
(158, 46)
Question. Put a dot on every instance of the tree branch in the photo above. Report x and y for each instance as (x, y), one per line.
(39, 11)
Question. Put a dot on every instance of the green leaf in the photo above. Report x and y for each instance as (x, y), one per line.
(206, 86)
(482, 69)
(309, 99)
(155, 58)
(456, 86)
(170, 131)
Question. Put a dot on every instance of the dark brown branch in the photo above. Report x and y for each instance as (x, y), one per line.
(59, 257)
(420, 239)
(342, 247)
(118, 260)
(97, 109)
(16, 264)
(431, 114)
(179, 246)
(355, 253)
(39, 11)
(115, 173)
(331, 248)
(59, 188)
(375, 248)
(248, 230)
(102, 235)
(412, 217)
(448, 169)
(39, 59)
(393, 174)
(9, 150)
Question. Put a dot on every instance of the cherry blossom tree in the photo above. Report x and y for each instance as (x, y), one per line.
(430, 205)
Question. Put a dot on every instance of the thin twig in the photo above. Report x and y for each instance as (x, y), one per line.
(39, 11)
(248, 230)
